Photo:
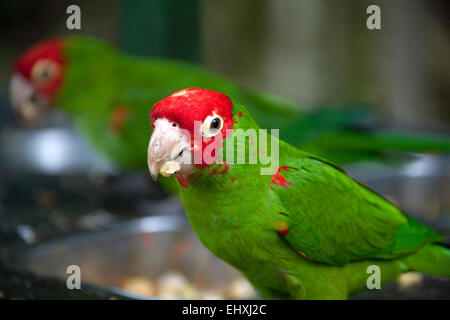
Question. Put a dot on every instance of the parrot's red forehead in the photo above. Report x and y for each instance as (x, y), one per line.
(50, 49)
(193, 104)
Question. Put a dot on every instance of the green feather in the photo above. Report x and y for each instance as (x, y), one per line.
(336, 227)
(100, 79)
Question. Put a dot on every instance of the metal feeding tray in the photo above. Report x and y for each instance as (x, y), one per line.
(153, 257)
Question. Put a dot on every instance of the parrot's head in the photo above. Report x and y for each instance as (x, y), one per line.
(37, 77)
(184, 124)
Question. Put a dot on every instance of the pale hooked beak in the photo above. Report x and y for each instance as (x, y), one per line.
(169, 150)
(25, 100)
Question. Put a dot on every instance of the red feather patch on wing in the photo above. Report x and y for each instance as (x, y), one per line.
(282, 228)
(225, 168)
(118, 117)
(279, 180)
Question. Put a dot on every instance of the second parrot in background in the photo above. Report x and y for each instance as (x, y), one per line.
(107, 93)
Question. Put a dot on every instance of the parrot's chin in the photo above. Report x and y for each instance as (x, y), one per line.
(30, 112)
(29, 105)
(170, 167)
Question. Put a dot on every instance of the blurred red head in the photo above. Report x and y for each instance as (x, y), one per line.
(37, 77)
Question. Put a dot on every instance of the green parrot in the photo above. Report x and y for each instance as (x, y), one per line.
(293, 223)
(107, 94)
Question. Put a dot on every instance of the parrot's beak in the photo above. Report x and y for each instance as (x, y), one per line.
(169, 150)
(25, 99)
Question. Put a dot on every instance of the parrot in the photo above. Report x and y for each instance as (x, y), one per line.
(298, 229)
(107, 94)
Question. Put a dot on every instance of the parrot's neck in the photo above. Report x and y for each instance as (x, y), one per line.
(243, 159)
(214, 197)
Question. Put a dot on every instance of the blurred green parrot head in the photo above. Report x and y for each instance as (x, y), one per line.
(184, 125)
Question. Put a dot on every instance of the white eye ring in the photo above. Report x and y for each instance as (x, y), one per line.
(212, 125)
(44, 70)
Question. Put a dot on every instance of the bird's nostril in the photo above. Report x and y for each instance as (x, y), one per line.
(33, 99)
(179, 154)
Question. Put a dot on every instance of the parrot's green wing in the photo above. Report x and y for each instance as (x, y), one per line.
(333, 219)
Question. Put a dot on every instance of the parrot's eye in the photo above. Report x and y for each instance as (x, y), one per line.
(43, 71)
(212, 125)
(215, 123)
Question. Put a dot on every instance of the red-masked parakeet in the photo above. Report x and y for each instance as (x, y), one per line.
(305, 230)
(107, 93)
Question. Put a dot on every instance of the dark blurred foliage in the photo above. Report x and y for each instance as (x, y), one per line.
(24, 22)
(162, 28)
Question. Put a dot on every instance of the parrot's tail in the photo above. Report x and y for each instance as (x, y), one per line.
(432, 259)
(412, 142)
